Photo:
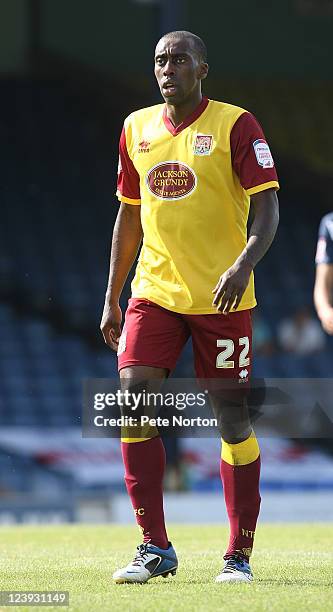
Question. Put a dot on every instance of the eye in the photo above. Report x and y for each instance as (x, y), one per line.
(180, 60)
(160, 61)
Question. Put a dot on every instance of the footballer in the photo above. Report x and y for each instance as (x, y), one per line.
(189, 168)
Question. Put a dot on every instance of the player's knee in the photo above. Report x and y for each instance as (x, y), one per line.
(234, 435)
(233, 421)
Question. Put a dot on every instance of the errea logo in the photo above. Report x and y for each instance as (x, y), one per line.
(144, 146)
(243, 374)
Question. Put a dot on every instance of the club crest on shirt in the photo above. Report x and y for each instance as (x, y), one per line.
(263, 153)
(203, 144)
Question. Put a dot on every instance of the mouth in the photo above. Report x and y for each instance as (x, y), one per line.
(169, 88)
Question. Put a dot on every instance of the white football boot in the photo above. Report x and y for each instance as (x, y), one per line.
(149, 562)
(235, 569)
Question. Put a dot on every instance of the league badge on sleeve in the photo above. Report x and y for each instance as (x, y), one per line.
(203, 144)
(263, 153)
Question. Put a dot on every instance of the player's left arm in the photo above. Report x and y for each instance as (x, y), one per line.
(232, 284)
(253, 163)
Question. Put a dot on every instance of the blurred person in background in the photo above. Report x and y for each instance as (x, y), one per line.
(323, 289)
(263, 339)
(301, 334)
(194, 277)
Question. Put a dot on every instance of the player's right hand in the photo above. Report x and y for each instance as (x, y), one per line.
(326, 318)
(111, 324)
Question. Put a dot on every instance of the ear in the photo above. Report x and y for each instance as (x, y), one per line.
(203, 70)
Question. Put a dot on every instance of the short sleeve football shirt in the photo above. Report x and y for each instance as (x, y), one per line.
(325, 241)
(193, 183)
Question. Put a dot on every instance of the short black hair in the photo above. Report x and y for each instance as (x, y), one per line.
(198, 44)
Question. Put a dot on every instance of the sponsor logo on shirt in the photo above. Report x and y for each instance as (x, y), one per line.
(171, 180)
(203, 144)
(263, 153)
(144, 146)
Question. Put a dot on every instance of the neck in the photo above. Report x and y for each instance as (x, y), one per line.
(177, 114)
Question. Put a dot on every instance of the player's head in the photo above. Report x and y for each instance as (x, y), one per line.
(180, 66)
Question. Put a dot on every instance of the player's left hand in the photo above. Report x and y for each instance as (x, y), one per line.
(231, 286)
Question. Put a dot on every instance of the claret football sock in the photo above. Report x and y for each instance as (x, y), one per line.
(144, 464)
(240, 472)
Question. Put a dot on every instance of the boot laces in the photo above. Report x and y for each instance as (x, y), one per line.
(232, 563)
(141, 555)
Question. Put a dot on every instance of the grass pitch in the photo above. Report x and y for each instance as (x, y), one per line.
(292, 564)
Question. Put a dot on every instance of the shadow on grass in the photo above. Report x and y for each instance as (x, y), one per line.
(257, 582)
(292, 582)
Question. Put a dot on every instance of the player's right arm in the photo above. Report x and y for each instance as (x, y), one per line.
(323, 289)
(126, 239)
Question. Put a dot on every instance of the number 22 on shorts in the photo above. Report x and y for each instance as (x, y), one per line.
(228, 345)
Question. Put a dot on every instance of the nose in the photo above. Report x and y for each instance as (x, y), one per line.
(168, 69)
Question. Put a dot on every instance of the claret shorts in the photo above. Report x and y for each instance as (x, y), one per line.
(154, 336)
